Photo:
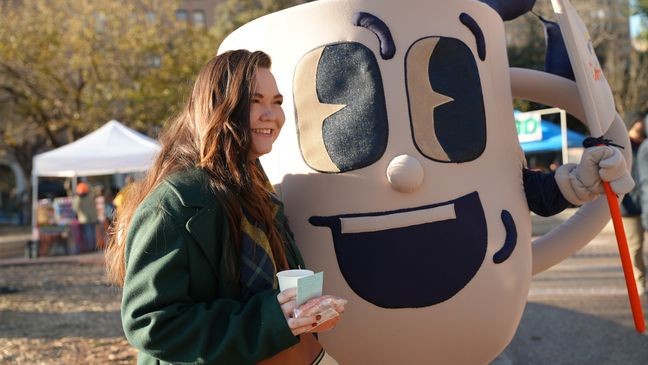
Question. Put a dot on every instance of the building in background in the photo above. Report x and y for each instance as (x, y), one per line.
(198, 12)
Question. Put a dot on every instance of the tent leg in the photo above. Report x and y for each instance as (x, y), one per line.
(563, 136)
(35, 239)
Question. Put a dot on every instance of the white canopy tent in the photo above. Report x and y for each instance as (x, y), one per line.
(111, 149)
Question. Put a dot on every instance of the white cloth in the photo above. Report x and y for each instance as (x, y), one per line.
(583, 182)
(326, 360)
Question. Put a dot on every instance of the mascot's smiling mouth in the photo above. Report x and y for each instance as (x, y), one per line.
(414, 257)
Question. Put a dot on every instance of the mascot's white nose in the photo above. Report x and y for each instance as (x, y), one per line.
(405, 173)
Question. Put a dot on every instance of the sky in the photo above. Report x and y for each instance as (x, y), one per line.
(635, 23)
(635, 26)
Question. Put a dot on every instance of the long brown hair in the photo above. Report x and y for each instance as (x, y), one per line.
(212, 132)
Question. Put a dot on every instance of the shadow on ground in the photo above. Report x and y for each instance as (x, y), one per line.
(553, 335)
(53, 325)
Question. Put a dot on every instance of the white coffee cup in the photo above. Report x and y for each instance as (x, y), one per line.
(288, 278)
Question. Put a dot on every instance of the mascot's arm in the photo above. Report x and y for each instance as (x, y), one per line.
(580, 228)
(542, 193)
(583, 182)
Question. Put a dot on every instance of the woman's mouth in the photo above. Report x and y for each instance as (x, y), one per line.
(262, 131)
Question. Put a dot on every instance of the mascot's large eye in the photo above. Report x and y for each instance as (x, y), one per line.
(445, 100)
(340, 108)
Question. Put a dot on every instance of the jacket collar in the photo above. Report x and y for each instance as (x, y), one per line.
(191, 186)
(208, 221)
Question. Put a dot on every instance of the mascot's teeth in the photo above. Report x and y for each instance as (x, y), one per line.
(397, 220)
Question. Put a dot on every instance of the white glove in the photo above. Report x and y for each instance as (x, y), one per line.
(583, 182)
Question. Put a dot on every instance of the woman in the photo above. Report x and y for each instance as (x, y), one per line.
(199, 241)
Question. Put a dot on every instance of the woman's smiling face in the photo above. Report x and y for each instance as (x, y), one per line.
(266, 114)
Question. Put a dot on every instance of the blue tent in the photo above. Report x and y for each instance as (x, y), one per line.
(551, 139)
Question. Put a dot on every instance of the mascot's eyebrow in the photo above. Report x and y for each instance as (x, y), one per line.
(469, 22)
(380, 29)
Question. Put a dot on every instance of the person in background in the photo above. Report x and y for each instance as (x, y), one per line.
(109, 204)
(634, 206)
(122, 194)
(554, 165)
(100, 205)
(85, 208)
(199, 241)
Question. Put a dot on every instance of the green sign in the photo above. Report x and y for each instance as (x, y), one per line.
(529, 127)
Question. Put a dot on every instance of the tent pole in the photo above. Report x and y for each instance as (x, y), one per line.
(563, 136)
(33, 245)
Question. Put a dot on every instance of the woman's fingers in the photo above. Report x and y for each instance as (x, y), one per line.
(314, 323)
(286, 300)
(286, 295)
(288, 308)
(327, 325)
(301, 325)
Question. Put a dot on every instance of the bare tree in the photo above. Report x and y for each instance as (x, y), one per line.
(607, 21)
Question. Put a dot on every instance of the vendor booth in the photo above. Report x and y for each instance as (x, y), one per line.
(547, 145)
(552, 140)
(111, 149)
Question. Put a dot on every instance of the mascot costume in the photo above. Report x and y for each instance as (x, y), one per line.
(403, 178)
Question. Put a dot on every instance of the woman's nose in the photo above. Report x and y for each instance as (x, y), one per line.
(405, 174)
(268, 113)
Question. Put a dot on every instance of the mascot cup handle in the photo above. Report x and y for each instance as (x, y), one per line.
(591, 218)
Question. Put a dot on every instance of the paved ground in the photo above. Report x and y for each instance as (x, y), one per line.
(61, 311)
(577, 313)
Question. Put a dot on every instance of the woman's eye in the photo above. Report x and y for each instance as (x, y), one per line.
(340, 106)
(445, 100)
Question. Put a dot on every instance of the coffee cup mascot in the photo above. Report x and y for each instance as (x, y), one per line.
(403, 177)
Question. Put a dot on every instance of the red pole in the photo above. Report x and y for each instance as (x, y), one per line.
(624, 253)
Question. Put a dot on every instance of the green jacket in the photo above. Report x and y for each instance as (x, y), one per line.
(179, 302)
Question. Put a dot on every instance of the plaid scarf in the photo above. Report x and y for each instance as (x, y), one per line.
(257, 267)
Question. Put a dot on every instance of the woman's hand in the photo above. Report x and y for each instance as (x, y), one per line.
(287, 301)
(327, 310)
(328, 324)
